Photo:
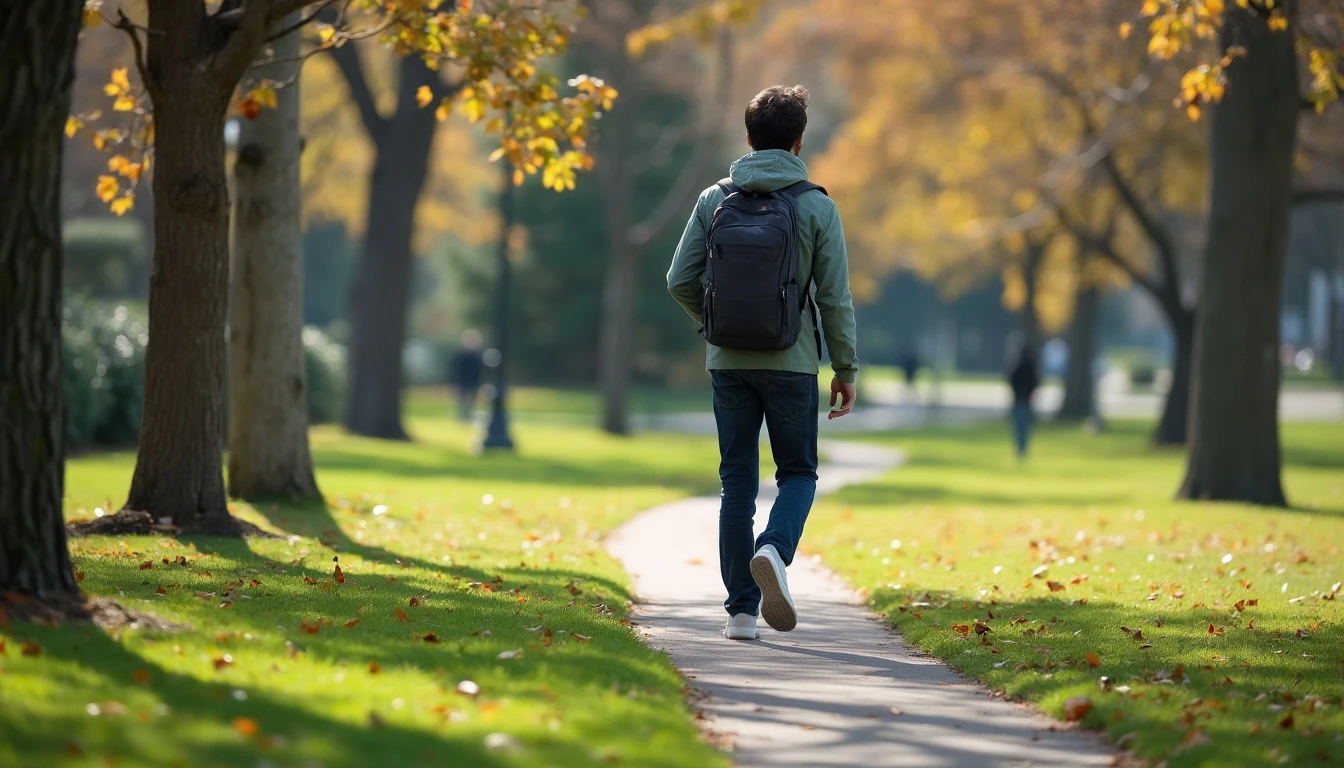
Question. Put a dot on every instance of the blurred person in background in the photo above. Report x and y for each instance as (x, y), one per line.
(909, 363)
(1023, 379)
(467, 369)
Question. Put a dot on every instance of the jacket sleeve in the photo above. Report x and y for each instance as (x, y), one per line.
(686, 277)
(830, 271)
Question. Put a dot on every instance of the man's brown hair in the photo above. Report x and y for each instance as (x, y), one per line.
(777, 117)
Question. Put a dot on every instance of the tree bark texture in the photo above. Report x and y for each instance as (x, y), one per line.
(37, 51)
(1173, 427)
(268, 407)
(193, 64)
(1234, 431)
(1080, 386)
(380, 294)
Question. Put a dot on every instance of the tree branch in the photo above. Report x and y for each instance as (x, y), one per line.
(125, 25)
(301, 22)
(692, 174)
(244, 26)
(1318, 195)
(352, 69)
(1103, 247)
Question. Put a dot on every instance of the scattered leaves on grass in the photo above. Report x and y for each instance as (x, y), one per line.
(1287, 722)
(1054, 586)
(79, 577)
(145, 566)
(962, 629)
(221, 662)
(310, 627)
(1076, 707)
(469, 688)
(351, 623)
(401, 616)
(308, 579)
(339, 575)
(581, 638)
(430, 637)
(510, 655)
(1093, 660)
(30, 649)
(246, 726)
(374, 668)
(981, 628)
(142, 676)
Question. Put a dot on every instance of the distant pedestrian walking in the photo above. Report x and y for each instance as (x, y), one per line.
(1023, 378)
(909, 362)
(468, 370)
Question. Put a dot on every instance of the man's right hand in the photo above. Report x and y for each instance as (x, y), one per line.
(843, 392)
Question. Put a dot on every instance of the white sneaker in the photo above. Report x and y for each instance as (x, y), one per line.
(767, 568)
(741, 626)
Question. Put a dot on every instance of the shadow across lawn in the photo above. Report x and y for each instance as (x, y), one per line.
(532, 470)
(303, 733)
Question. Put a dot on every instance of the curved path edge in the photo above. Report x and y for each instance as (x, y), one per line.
(842, 689)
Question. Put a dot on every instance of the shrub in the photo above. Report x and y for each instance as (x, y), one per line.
(103, 347)
(105, 257)
(325, 363)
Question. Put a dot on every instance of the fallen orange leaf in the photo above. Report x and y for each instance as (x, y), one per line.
(1093, 660)
(246, 726)
(373, 667)
(351, 623)
(401, 616)
(142, 676)
(30, 649)
(340, 577)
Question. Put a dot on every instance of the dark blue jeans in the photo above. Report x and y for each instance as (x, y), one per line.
(787, 403)
(1022, 418)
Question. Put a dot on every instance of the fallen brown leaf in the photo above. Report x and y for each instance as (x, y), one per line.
(339, 575)
(142, 676)
(374, 668)
(1076, 707)
(30, 649)
(401, 616)
(1093, 660)
(351, 623)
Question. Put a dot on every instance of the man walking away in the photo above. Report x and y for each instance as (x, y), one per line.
(1023, 379)
(762, 255)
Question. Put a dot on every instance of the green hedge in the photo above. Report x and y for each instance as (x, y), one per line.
(104, 354)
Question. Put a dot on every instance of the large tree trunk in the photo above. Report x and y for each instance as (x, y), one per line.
(178, 472)
(37, 51)
(1234, 430)
(1080, 387)
(268, 408)
(1173, 427)
(380, 295)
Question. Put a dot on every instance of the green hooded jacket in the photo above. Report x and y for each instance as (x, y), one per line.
(821, 246)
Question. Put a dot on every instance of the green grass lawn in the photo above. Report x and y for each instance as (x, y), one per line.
(1068, 558)
(459, 573)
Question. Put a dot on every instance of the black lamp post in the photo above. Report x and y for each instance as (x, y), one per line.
(497, 435)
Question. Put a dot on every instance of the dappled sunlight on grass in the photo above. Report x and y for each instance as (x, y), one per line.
(1014, 574)
(447, 560)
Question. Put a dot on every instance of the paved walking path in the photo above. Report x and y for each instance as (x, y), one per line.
(825, 694)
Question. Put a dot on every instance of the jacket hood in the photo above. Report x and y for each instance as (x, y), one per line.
(767, 170)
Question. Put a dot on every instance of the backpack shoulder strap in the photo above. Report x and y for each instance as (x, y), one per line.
(727, 186)
(798, 188)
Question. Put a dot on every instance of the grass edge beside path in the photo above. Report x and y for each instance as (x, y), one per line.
(1234, 653)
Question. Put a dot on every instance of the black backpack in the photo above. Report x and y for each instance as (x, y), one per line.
(753, 299)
